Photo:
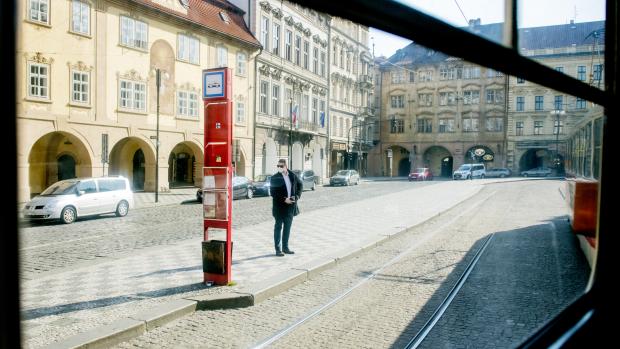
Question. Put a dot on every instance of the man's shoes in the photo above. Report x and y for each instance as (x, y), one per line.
(289, 252)
(279, 254)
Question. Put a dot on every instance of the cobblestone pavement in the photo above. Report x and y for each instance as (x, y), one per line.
(530, 271)
(55, 247)
(82, 296)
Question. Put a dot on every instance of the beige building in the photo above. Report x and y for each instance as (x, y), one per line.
(87, 94)
(351, 83)
(541, 120)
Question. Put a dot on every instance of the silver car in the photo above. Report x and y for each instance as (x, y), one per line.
(345, 177)
(537, 172)
(72, 198)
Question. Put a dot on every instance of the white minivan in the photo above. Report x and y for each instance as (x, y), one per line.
(78, 197)
(469, 171)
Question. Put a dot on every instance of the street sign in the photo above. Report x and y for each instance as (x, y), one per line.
(389, 153)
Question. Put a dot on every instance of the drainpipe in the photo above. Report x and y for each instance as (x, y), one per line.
(254, 128)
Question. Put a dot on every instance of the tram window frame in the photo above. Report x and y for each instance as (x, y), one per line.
(583, 322)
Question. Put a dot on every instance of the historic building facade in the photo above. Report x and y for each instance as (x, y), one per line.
(291, 86)
(351, 86)
(87, 93)
(541, 120)
(439, 111)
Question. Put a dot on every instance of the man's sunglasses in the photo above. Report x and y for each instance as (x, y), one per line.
(281, 166)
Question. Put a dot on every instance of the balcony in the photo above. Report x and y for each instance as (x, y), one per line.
(366, 111)
(303, 126)
(365, 80)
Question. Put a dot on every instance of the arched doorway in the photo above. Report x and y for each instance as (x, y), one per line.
(66, 167)
(138, 170)
(534, 158)
(439, 160)
(404, 167)
(447, 166)
(54, 157)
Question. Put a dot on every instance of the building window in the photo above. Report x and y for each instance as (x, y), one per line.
(134, 33)
(559, 69)
(425, 125)
(598, 72)
(288, 41)
(322, 113)
(342, 58)
(275, 100)
(80, 22)
(470, 124)
(315, 107)
(264, 33)
(446, 125)
(264, 87)
(558, 102)
(275, 45)
(520, 103)
(425, 99)
(335, 58)
(187, 103)
(306, 54)
(297, 49)
(315, 60)
(411, 77)
(471, 72)
(581, 72)
(240, 113)
(397, 126)
(241, 63)
(425, 75)
(520, 81)
(495, 96)
(471, 97)
(558, 127)
(39, 11)
(398, 77)
(222, 56)
(519, 128)
(538, 102)
(348, 64)
(304, 107)
(495, 124)
(323, 55)
(398, 101)
(580, 103)
(38, 80)
(188, 49)
(132, 95)
(447, 98)
(450, 73)
(538, 125)
(80, 87)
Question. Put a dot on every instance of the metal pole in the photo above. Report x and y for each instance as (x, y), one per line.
(348, 148)
(158, 82)
(290, 132)
(557, 135)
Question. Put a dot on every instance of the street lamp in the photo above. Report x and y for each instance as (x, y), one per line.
(556, 130)
(158, 76)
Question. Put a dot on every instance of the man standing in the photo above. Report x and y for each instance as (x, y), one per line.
(286, 189)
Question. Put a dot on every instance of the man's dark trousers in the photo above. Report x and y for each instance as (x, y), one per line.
(280, 235)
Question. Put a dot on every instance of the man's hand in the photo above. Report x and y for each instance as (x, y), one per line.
(289, 200)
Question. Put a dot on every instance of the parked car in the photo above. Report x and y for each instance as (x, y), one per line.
(262, 185)
(469, 171)
(79, 197)
(421, 174)
(345, 177)
(498, 172)
(308, 179)
(242, 188)
(537, 172)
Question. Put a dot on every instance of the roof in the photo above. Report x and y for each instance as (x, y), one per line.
(206, 13)
(554, 36)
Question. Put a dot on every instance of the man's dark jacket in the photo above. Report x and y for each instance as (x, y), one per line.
(278, 193)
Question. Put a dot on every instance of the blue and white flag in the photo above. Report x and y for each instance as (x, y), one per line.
(322, 119)
(295, 119)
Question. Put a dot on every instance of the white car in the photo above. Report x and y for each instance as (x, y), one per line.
(469, 171)
(72, 198)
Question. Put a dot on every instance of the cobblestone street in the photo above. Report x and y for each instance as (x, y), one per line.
(530, 271)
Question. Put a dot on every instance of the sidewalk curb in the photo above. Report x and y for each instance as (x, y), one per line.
(133, 326)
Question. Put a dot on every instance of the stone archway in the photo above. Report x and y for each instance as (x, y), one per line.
(56, 156)
(439, 160)
(134, 159)
(534, 158)
(185, 165)
(400, 164)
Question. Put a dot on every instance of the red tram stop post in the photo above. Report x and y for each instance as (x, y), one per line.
(217, 175)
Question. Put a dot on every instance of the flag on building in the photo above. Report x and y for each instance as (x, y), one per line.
(322, 119)
(295, 118)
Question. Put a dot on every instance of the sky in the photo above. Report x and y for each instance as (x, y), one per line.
(532, 13)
